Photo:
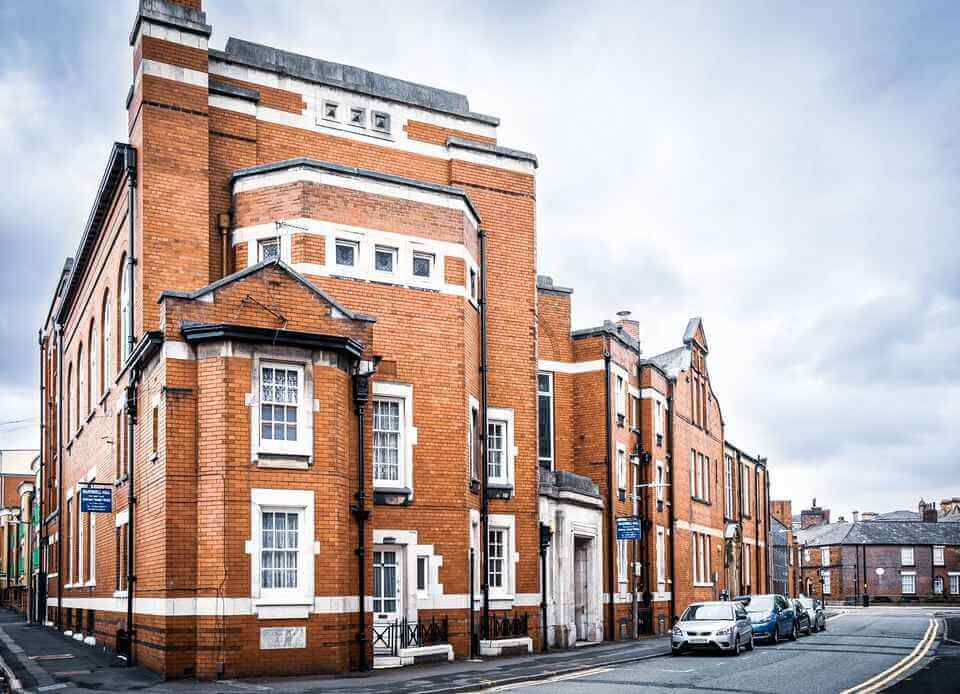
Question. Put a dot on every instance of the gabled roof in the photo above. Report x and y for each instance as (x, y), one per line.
(253, 269)
(696, 333)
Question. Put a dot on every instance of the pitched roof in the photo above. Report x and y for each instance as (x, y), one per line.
(886, 533)
(229, 279)
(672, 362)
(690, 333)
(897, 516)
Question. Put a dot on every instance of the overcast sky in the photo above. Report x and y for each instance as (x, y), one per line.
(788, 171)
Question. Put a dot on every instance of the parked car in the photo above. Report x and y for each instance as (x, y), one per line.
(771, 615)
(804, 625)
(718, 626)
(814, 609)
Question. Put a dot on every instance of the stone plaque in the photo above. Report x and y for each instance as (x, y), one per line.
(272, 638)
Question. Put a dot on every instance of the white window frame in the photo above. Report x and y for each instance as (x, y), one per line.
(621, 468)
(658, 417)
(269, 240)
(384, 248)
(938, 582)
(621, 393)
(403, 392)
(827, 588)
(661, 558)
(728, 485)
(303, 446)
(505, 416)
(912, 577)
(431, 264)
(745, 485)
(401, 443)
(507, 523)
(549, 393)
(907, 557)
(473, 432)
(497, 430)
(623, 561)
(746, 564)
(355, 245)
(660, 481)
(824, 556)
(423, 562)
(954, 577)
(938, 555)
(298, 501)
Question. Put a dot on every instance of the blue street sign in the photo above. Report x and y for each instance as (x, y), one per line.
(628, 529)
(96, 500)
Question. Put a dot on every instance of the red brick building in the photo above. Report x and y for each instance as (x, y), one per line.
(303, 348)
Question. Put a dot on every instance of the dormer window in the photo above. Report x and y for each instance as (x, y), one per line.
(358, 117)
(381, 121)
(331, 110)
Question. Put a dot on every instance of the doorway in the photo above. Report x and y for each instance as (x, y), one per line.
(387, 596)
(581, 580)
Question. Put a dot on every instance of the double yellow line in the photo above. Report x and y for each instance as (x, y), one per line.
(878, 682)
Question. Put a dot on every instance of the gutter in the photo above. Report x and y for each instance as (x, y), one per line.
(611, 547)
(484, 407)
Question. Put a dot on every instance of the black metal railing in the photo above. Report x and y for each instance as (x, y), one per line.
(390, 637)
(507, 626)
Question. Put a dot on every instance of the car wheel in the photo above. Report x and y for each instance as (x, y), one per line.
(776, 634)
(808, 629)
(794, 632)
(750, 643)
(674, 652)
(736, 646)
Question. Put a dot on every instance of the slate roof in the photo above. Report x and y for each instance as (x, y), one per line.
(885, 533)
(951, 517)
(672, 362)
(898, 516)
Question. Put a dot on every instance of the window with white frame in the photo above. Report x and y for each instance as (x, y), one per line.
(621, 399)
(622, 563)
(660, 481)
(472, 442)
(745, 498)
(701, 559)
(380, 121)
(125, 317)
(621, 469)
(422, 268)
(281, 547)
(268, 249)
(423, 572)
(908, 583)
(497, 451)
(728, 486)
(955, 584)
(824, 556)
(938, 585)
(346, 253)
(387, 441)
(938, 555)
(497, 558)
(826, 583)
(699, 476)
(906, 556)
(281, 408)
(661, 556)
(385, 259)
(545, 419)
(658, 421)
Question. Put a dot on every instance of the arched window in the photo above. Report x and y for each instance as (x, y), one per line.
(81, 387)
(69, 403)
(125, 316)
(93, 366)
(106, 354)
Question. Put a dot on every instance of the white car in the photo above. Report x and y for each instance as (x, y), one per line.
(723, 626)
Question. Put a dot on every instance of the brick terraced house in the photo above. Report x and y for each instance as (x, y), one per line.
(307, 407)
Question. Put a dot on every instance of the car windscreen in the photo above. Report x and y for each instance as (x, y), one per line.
(704, 612)
(761, 603)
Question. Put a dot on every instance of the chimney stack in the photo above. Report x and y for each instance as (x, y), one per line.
(856, 516)
(630, 327)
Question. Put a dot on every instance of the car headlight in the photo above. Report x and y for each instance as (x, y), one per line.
(723, 631)
(678, 632)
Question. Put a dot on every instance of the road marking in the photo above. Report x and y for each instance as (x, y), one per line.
(556, 678)
(878, 681)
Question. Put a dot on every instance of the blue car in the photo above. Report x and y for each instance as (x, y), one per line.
(771, 616)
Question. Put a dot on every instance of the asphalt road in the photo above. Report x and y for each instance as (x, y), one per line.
(857, 645)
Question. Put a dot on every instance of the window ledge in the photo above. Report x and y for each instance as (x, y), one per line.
(701, 584)
(271, 608)
(91, 584)
(499, 490)
(392, 496)
(283, 461)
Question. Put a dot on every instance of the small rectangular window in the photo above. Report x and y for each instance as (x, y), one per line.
(622, 469)
(423, 571)
(954, 584)
(381, 121)
(496, 551)
(268, 249)
(908, 584)
(279, 549)
(385, 259)
(387, 437)
(279, 401)
(826, 583)
(825, 556)
(906, 556)
(938, 555)
(346, 253)
(331, 110)
(497, 451)
(422, 265)
(358, 117)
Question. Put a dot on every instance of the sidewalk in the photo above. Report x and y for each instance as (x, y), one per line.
(44, 660)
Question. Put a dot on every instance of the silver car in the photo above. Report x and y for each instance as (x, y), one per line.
(713, 626)
(814, 608)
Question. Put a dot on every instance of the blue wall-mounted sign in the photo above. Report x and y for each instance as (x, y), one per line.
(96, 500)
(628, 529)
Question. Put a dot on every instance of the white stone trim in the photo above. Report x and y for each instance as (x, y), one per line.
(654, 394)
(177, 73)
(697, 528)
(168, 33)
(173, 349)
(232, 103)
(565, 367)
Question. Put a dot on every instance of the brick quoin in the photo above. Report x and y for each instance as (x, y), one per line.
(269, 233)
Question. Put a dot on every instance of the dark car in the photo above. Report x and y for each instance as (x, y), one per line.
(771, 615)
(804, 625)
(814, 610)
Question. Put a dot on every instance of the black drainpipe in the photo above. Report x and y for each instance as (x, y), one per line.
(756, 524)
(766, 522)
(59, 338)
(130, 161)
(361, 394)
(611, 525)
(673, 511)
(484, 505)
